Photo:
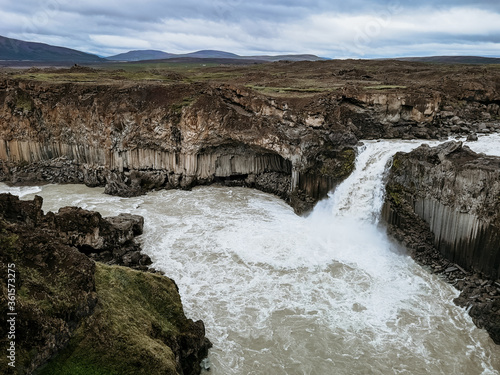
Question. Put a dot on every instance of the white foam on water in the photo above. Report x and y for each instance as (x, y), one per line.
(486, 144)
(283, 294)
(20, 191)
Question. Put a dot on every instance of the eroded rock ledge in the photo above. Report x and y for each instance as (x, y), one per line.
(443, 203)
(77, 313)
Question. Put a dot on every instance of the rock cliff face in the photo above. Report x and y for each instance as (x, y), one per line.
(137, 138)
(65, 298)
(134, 137)
(457, 193)
(443, 203)
(48, 306)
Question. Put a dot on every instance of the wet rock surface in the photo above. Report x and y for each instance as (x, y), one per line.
(61, 292)
(456, 183)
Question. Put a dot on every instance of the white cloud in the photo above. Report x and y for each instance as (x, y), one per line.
(369, 29)
(116, 41)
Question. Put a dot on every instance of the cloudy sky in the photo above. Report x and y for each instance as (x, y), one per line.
(329, 28)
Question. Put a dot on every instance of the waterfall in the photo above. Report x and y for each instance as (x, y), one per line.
(361, 196)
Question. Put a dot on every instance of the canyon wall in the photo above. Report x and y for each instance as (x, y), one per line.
(132, 137)
(457, 193)
(443, 204)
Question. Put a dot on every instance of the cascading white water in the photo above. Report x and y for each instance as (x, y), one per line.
(487, 144)
(361, 196)
(282, 294)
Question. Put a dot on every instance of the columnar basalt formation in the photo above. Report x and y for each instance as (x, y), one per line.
(456, 192)
(137, 138)
(134, 136)
(443, 203)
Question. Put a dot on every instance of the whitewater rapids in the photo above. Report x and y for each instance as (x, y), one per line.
(281, 294)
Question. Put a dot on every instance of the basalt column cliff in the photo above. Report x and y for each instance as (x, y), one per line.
(286, 128)
(443, 203)
(132, 139)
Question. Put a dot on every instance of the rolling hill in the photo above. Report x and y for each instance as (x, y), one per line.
(139, 55)
(19, 50)
(205, 54)
(453, 59)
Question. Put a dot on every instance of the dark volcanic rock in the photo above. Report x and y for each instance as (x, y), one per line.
(442, 203)
(55, 285)
(294, 120)
(69, 307)
(136, 139)
(111, 240)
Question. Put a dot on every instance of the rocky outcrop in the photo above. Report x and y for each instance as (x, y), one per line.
(110, 240)
(49, 307)
(443, 204)
(67, 304)
(456, 192)
(133, 139)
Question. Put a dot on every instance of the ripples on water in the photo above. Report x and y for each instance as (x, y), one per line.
(282, 294)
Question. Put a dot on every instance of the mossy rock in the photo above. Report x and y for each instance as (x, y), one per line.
(338, 166)
(23, 102)
(395, 194)
(136, 329)
(53, 287)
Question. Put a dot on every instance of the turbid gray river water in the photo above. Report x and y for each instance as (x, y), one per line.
(281, 294)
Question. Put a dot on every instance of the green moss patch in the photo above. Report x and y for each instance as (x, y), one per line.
(339, 166)
(138, 315)
(23, 102)
(395, 193)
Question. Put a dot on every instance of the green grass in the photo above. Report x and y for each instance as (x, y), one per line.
(186, 102)
(384, 87)
(97, 77)
(298, 91)
(136, 315)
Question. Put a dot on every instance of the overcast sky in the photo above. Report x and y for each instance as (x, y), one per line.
(336, 29)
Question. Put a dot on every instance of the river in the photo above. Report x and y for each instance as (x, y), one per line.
(281, 294)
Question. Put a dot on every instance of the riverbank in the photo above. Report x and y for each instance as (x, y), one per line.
(74, 315)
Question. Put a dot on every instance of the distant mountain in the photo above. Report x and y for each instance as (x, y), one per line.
(139, 55)
(18, 50)
(205, 54)
(210, 54)
(286, 57)
(453, 59)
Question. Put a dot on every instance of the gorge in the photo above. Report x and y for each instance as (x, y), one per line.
(295, 294)
(329, 292)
